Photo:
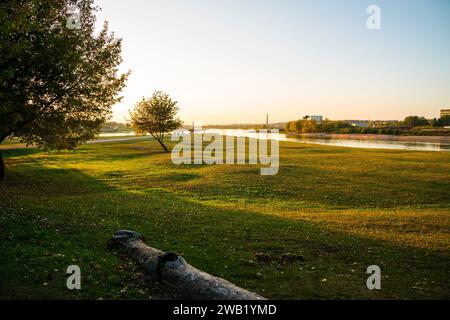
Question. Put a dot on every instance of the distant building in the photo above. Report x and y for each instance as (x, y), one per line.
(445, 112)
(316, 118)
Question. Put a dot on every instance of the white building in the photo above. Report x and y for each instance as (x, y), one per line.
(316, 118)
(445, 112)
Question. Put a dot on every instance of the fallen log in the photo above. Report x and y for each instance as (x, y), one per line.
(173, 270)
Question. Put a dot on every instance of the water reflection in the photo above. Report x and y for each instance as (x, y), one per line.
(352, 143)
(394, 143)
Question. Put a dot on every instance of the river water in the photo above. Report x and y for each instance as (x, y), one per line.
(393, 143)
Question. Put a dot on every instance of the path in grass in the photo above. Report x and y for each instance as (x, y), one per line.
(308, 232)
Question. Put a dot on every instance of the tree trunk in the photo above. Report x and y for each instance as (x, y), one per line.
(2, 167)
(173, 270)
(163, 145)
(3, 136)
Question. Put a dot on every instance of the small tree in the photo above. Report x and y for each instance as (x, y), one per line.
(156, 116)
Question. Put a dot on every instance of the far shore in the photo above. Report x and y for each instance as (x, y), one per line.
(383, 137)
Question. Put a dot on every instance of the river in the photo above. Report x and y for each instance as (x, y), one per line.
(394, 142)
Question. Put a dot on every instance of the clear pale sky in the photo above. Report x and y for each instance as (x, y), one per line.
(228, 61)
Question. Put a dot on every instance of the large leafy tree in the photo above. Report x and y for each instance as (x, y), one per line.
(156, 116)
(57, 81)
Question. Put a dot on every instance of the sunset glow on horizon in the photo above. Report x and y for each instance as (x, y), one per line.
(234, 61)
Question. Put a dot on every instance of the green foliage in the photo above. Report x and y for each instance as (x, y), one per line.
(306, 126)
(335, 126)
(57, 84)
(413, 125)
(415, 121)
(156, 116)
(291, 127)
(312, 126)
(443, 121)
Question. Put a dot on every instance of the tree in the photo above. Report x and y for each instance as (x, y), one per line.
(57, 82)
(290, 127)
(306, 126)
(415, 121)
(443, 121)
(156, 116)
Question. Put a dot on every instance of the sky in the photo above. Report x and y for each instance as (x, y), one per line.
(229, 61)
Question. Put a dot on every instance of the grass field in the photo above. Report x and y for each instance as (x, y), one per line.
(308, 232)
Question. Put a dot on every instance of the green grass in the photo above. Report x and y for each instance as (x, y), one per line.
(335, 210)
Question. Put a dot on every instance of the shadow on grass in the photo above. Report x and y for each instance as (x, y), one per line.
(18, 152)
(51, 212)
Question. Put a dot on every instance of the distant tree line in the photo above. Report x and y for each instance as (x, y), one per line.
(112, 126)
(413, 125)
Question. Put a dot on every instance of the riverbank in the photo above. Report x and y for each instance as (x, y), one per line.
(382, 137)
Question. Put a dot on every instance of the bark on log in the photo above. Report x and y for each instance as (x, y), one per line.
(173, 270)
